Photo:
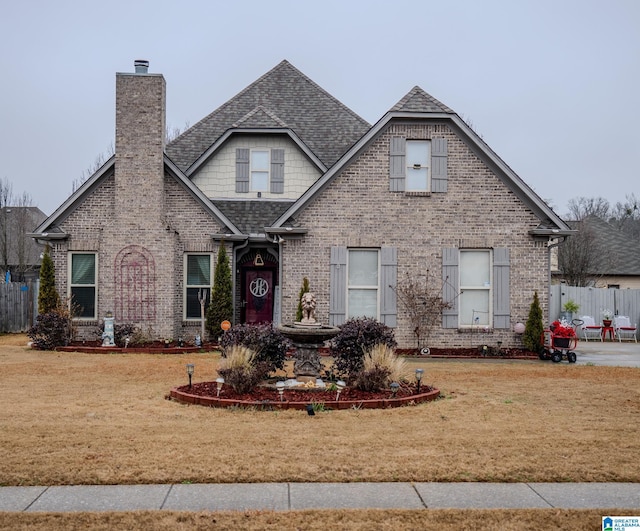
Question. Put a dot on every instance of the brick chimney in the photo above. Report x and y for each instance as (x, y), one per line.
(140, 136)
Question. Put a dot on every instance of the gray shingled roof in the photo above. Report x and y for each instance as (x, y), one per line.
(621, 254)
(417, 100)
(283, 97)
(251, 217)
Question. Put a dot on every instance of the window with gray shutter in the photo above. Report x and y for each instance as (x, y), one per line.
(501, 292)
(338, 286)
(439, 174)
(277, 171)
(450, 287)
(397, 164)
(388, 283)
(242, 170)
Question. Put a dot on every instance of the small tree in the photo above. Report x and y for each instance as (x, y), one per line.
(221, 303)
(423, 305)
(304, 289)
(48, 298)
(534, 327)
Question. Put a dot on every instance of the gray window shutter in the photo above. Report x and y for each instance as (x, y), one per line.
(277, 171)
(388, 283)
(242, 169)
(397, 166)
(439, 165)
(450, 287)
(501, 294)
(338, 286)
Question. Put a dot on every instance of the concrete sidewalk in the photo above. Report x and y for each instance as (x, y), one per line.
(298, 496)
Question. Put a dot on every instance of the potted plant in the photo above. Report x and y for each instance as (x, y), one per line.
(607, 317)
(569, 308)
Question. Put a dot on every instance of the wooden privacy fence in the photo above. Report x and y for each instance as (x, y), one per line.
(18, 306)
(593, 300)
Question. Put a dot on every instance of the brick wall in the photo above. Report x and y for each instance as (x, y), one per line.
(477, 211)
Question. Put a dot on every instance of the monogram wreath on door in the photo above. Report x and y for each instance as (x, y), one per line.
(259, 288)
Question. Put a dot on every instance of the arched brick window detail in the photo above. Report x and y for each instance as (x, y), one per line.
(134, 281)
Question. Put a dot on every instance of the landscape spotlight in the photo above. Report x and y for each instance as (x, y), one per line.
(190, 368)
(419, 373)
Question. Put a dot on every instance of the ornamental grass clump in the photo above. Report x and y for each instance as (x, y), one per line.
(381, 366)
(241, 368)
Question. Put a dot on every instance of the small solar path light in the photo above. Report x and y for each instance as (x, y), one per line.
(190, 368)
(419, 373)
(340, 386)
(280, 388)
(394, 389)
(219, 384)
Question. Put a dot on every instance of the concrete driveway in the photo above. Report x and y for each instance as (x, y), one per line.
(613, 353)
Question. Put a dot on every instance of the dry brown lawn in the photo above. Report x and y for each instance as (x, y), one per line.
(73, 418)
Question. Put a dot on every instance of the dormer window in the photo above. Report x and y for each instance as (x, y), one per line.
(260, 170)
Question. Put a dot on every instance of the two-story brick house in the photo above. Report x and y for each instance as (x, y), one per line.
(296, 184)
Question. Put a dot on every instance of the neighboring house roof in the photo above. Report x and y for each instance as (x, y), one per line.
(417, 104)
(282, 98)
(22, 220)
(620, 253)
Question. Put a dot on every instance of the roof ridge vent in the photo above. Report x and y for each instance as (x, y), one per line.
(141, 66)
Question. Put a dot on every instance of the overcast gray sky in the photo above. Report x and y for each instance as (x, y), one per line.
(551, 85)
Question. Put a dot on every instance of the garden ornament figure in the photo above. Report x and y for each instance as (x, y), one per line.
(308, 308)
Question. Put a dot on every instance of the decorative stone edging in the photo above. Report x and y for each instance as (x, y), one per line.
(378, 403)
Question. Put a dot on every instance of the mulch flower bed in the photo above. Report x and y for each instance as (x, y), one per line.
(264, 393)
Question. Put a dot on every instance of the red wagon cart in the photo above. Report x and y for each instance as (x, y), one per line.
(559, 342)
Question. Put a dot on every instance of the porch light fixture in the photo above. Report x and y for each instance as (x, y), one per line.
(190, 368)
(280, 388)
(258, 261)
(219, 384)
(419, 373)
(340, 386)
(394, 389)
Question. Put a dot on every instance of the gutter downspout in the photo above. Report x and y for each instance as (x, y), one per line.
(279, 316)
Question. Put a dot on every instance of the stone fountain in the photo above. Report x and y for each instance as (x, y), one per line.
(308, 336)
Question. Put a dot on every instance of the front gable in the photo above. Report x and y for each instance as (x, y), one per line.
(227, 173)
(419, 116)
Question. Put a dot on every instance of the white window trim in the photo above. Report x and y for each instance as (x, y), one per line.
(187, 286)
(427, 187)
(267, 188)
(489, 324)
(95, 284)
(371, 287)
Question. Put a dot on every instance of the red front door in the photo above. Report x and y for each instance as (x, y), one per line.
(258, 295)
